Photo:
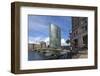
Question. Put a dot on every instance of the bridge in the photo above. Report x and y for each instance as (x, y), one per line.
(44, 49)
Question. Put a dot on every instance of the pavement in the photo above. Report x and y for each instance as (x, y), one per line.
(81, 54)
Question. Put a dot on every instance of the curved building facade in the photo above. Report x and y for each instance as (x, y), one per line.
(55, 36)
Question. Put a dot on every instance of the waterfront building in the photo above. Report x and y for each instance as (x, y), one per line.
(79, 35)
(30, 47)
(55, 36)
(43, 44)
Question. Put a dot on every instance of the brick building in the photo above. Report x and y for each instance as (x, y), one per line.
(79, 35)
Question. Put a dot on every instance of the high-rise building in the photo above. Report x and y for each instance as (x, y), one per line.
(79, 35)
(43, 44)
(55, 36)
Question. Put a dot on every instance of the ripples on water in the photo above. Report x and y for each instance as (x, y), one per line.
(33, 55)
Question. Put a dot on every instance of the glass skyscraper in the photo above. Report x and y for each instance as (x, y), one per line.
(55, 36)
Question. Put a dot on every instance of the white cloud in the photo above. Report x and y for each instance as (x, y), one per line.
(46, 40)
(37, 40)
(36, 24)
(63, 42)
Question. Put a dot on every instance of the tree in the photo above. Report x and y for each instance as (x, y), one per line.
(68, 41)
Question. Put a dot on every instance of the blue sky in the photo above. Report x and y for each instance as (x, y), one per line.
(38, 27)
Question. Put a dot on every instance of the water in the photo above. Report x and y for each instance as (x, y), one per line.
(33, 55)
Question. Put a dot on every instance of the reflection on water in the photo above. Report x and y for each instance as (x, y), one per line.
(34, 55)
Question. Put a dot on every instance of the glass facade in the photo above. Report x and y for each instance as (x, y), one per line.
(55, 36)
